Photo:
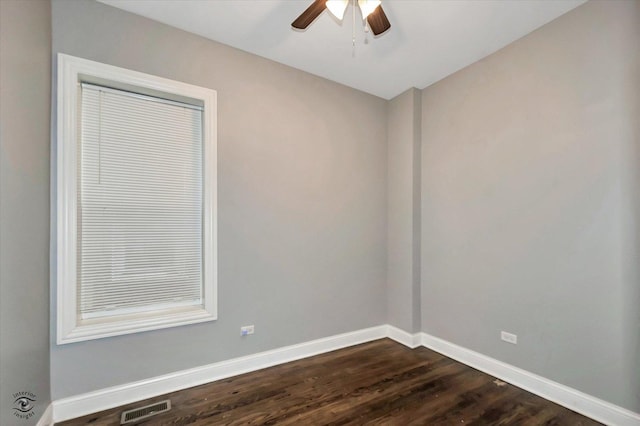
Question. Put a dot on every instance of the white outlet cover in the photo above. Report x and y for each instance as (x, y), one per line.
(509, 337)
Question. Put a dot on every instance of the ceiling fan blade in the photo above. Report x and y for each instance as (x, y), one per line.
(309, 15)
(378, 21)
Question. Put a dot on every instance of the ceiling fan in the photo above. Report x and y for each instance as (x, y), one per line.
(371, 11)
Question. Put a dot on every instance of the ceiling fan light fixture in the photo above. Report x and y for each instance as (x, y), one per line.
(371, 10)
(337, 7)
(367, 7)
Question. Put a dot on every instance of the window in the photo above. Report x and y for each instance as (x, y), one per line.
(136, 202)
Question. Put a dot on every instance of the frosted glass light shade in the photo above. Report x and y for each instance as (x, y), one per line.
(366, 7)
(337, 7)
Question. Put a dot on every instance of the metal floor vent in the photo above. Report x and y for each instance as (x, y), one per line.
(137, 414)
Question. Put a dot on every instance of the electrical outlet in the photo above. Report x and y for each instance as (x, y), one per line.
(246, 330)
(508, 337)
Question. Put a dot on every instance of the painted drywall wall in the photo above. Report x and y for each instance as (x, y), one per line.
(530, 197)
(302, 201)
(25, 90)
(403, 210)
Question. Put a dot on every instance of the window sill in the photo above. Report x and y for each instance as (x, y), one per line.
(128, 324)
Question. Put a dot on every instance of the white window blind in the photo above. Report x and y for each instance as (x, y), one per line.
(139, 204)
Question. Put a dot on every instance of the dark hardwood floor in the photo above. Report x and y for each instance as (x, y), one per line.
(379, 383)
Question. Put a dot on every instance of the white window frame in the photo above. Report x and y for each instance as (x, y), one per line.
(71, 72)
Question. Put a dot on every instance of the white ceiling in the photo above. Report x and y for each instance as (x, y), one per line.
(428, 39)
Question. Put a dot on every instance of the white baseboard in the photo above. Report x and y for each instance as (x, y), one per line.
(573, 399)
(410, 340)
(47, 417)
(81, 405)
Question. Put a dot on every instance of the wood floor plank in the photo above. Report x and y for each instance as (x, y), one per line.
(377, 383)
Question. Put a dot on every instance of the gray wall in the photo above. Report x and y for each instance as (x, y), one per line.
(403, 210)
(302, 201)
(25, 78)
(530, 203)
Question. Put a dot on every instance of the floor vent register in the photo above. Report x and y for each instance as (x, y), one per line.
(139, 413)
